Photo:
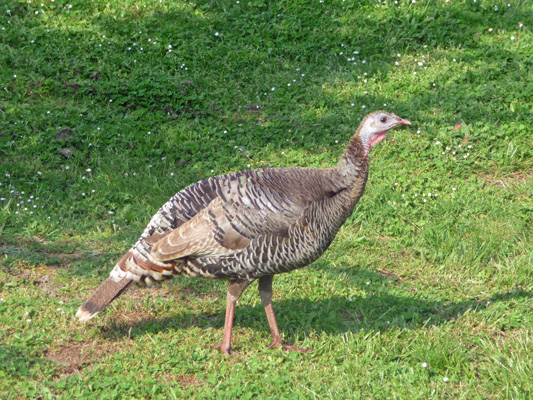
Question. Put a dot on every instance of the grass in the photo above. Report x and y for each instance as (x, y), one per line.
(109, 108)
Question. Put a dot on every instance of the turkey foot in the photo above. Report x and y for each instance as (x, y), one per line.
(286, 347)
(228, 352)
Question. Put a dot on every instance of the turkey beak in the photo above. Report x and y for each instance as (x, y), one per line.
(404, 122)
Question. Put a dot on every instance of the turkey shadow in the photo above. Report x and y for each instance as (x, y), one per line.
(304, 317)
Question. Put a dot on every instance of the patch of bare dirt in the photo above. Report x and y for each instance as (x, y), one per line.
(185, 381)
(73, 357)
(514, 179)
(133, 317)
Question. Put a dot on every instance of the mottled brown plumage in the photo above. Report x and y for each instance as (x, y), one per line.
(247, 226)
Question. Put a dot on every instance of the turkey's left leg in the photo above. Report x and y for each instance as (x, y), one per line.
(234, 292)
(265, 291)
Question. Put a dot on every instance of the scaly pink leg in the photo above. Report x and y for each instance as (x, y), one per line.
(265, 291)
(234, 292)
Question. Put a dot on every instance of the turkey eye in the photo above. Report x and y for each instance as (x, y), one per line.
(383, 120)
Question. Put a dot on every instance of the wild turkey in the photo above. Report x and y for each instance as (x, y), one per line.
(248, 225)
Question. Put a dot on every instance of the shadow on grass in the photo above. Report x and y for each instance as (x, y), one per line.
(16, 362)
(302, 317)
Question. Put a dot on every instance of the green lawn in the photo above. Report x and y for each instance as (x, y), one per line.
(108, 108)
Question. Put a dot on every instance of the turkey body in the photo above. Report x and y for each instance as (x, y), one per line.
(248, 226)
(244, 225)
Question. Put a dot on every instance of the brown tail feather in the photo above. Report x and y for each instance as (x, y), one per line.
(100, 299)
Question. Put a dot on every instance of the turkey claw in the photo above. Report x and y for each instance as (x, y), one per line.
(286, 347)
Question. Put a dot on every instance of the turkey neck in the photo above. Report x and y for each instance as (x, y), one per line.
(352, 169)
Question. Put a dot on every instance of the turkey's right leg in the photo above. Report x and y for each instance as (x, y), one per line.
(265, 291)
(234, 292)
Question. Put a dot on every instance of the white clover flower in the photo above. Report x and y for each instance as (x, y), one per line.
(110, 212)
(216, 33)
(424, 365)
(445, 379)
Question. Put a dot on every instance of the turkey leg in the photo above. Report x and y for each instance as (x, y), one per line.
(234, 292)
(265, 291)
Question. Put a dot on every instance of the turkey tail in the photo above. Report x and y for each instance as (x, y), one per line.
(100, 299)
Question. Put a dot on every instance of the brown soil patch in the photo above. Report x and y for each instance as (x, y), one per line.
(131, 318)
(514, 179)
(73, 357)
(70, 357)
(185, 381)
